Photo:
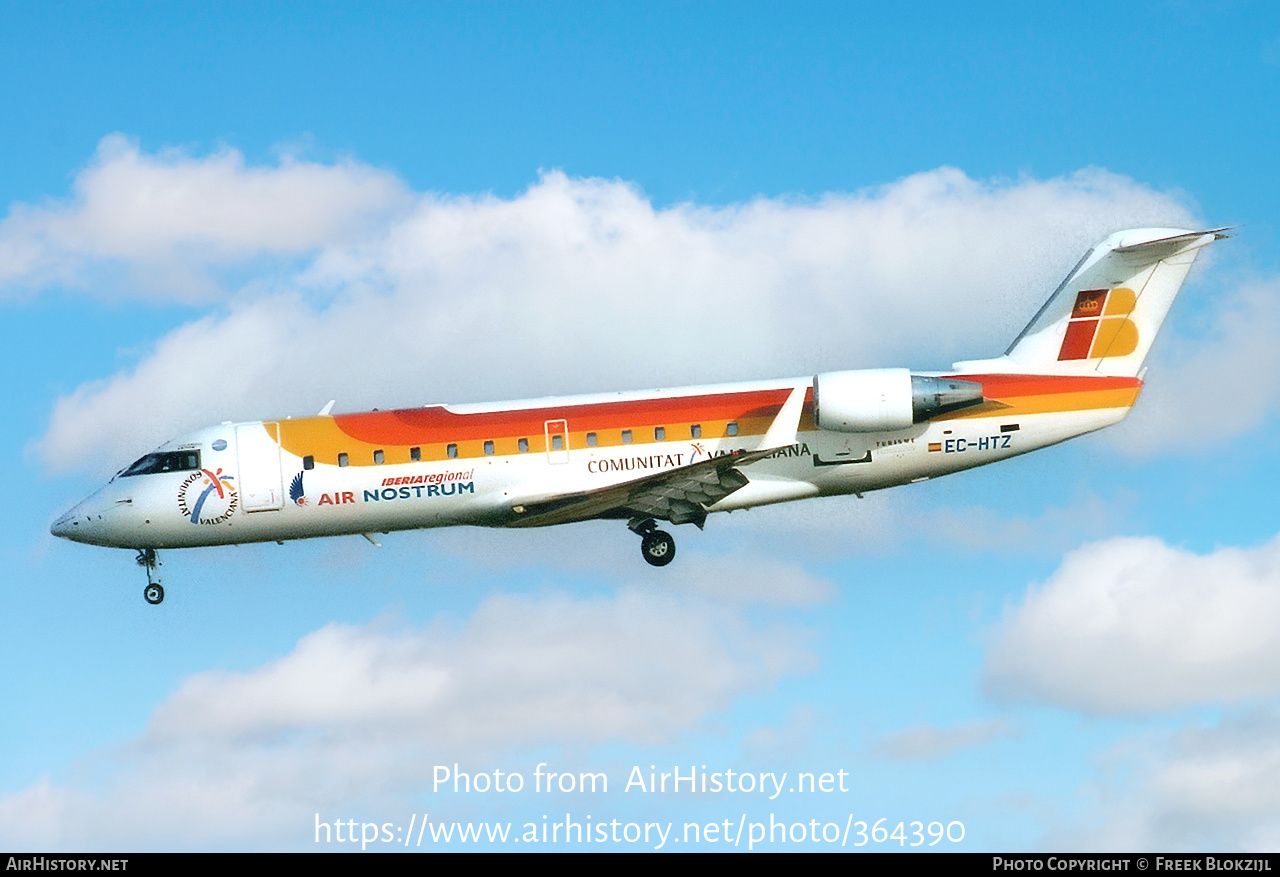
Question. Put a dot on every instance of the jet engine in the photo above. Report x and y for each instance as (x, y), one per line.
(886, 399)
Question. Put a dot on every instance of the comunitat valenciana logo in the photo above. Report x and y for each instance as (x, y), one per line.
(206, 497)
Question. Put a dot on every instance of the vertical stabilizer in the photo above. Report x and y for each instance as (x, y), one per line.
(1103, 318)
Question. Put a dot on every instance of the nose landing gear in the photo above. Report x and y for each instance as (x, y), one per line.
(153, 593)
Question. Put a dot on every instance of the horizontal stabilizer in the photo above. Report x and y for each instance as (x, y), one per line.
(1162, 247)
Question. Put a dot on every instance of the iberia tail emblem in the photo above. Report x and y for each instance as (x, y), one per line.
(1100, 326)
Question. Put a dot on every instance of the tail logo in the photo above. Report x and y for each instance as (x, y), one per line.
(1100, 326)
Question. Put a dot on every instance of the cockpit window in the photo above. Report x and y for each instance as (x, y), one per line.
(168, 461)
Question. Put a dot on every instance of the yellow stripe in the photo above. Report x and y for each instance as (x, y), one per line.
(1049, 403)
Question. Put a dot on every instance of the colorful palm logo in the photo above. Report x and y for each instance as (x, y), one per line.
(217, 492)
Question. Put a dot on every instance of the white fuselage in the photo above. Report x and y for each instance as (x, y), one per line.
(355, 474)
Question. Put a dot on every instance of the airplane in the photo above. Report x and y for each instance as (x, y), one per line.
(668, 455)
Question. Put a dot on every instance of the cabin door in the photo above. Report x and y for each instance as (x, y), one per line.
(557, 441)
(258, 451)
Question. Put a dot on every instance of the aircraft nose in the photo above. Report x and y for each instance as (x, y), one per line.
(67, 526)
(88, 521)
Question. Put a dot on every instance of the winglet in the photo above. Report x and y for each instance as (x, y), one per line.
(782, 432)
(324, 412)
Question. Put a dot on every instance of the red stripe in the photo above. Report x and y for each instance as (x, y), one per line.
(1008, 386)
(437, 424)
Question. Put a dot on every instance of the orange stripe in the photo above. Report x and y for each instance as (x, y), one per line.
(418, 426)
(433, 429)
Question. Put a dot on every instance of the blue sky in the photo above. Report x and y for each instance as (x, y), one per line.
(243, 213)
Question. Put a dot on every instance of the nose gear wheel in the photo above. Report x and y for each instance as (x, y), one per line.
(153, 593)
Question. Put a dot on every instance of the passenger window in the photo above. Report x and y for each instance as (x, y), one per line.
(488, 447)
(659, 433)
(342, 459)
(695, 431)
(592, 441)
(452, 451)
(731, 429)
(308, 462)
(523, 445)
(378, 458)
(415, 454)
(626, 436)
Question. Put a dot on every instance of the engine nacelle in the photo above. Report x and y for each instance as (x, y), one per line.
(886, 399)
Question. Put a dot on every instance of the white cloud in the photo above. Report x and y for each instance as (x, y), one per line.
(574, 285)
(357, 717)
(742, 573)
(523, 671)
(1132, 625)
(1223, 384)
(925, 741)
(1054, 529)
(744, 577)
(1206, 788)
(167, 219)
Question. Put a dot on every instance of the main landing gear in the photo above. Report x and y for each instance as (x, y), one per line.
(657, 546)
(147, 558)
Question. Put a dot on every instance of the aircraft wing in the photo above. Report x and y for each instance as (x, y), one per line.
(680, 495)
